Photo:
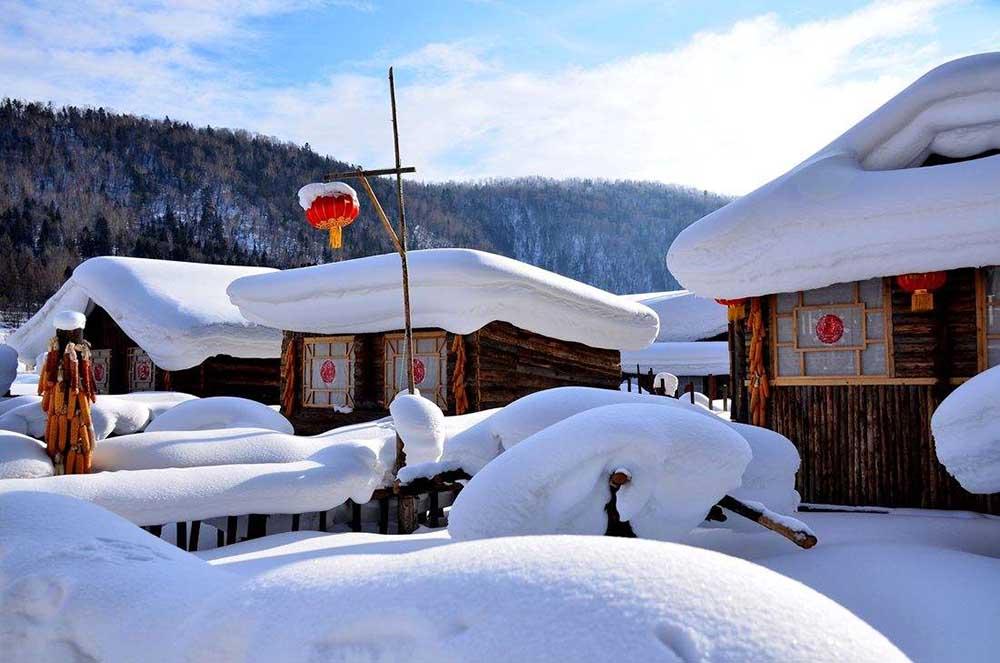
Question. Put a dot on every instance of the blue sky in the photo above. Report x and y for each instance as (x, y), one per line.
(717, 95)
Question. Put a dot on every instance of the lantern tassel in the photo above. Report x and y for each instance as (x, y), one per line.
(336, 237)
(922, 300)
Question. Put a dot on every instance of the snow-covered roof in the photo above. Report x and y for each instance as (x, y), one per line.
(459, 290)
(861, 207)
(178, 312)
(684, 316)
(690, 358)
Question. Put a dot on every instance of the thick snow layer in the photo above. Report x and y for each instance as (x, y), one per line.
(110, 414)
(482, 442)
(178, 312)
(966, 427)
(329, 478)
(311, 192)
(69, 320)
(157, 402)
(220, 412)
(23, 457)
(197, 448)
(704, 358)
(684, 316)
(770, 476)
(556, 481)
(83, 584)
(459, 290)
(78, 583)
(24, 384)
(859, 208)
(8, 367)
(420, 423)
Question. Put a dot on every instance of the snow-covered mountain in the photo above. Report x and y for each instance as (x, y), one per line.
(81, 182)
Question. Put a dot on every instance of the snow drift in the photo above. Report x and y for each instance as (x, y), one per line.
(220, 412)
(966, 427)
(84, 584)
(420, 424)
(23, 457)
(556, 481)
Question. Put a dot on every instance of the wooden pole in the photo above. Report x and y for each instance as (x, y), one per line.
(370, 173)
(402, 238)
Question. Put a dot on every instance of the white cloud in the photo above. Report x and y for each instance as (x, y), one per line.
(725, 110)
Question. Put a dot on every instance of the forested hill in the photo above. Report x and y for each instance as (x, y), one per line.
(76, 183)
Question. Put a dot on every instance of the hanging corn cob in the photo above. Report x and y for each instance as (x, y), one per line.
(67, 388)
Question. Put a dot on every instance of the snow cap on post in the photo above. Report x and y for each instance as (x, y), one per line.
(69, 320)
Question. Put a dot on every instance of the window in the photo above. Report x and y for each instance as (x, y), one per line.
(990, 326)
(141, 371)
(101, 362)
(430, 366)
(836, 331)
(328, 371)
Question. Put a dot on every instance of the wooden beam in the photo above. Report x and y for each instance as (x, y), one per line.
(380, 213)
(370, 173)
(802, 538)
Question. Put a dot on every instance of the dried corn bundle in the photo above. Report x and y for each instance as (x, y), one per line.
(67, 388)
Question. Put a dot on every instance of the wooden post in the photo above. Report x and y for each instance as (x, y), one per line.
(434, 518)
(383, 515)
(182, 536)
(689, 388)
(195, 534)
(295, 522)
(406, 514)
(322, 521)
(800, 537)
(355, 516)
(231, 523)
(256, 526)
(617, 527)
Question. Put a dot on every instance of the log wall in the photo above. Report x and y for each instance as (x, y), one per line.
(514, 362)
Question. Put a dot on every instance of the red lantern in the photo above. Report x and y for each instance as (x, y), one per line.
(330, 206)
(736, 309)
(921, 287)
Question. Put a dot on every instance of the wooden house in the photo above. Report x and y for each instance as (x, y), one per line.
(487, 330)
(869, 286)
(162, 325)
(691, 345)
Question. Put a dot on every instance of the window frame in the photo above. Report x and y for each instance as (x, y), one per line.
(389, 354)
(350, 356)
(857, 377)
(984, 336)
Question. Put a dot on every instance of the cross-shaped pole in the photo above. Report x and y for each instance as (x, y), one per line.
(398, 240)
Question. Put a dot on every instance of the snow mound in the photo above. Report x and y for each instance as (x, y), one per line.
(684, 316)
(770, 476)
(8, 367)
(109, 414)
(178, 312)
(966, 427)
(86, 585)
(78, 583)
(8, 404)
(861, 208)
(69, 320)
(459, 290)
(220, 412)
(199, 448)
(327, 479)
(701, 358)
(157, 402)
(556, 481)
(23, 457)
(420, 423)
(481, 443)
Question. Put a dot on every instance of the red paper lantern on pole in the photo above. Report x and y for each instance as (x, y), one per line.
(330, 206)
(735, 308)
(921, 287)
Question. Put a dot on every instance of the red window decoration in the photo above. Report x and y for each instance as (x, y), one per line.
(829, 329)
(328, 372)
(419, 371)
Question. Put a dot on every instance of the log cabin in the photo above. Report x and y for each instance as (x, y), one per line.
(162, 325)
(487, 330)
(868, 285)
(692, 343)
